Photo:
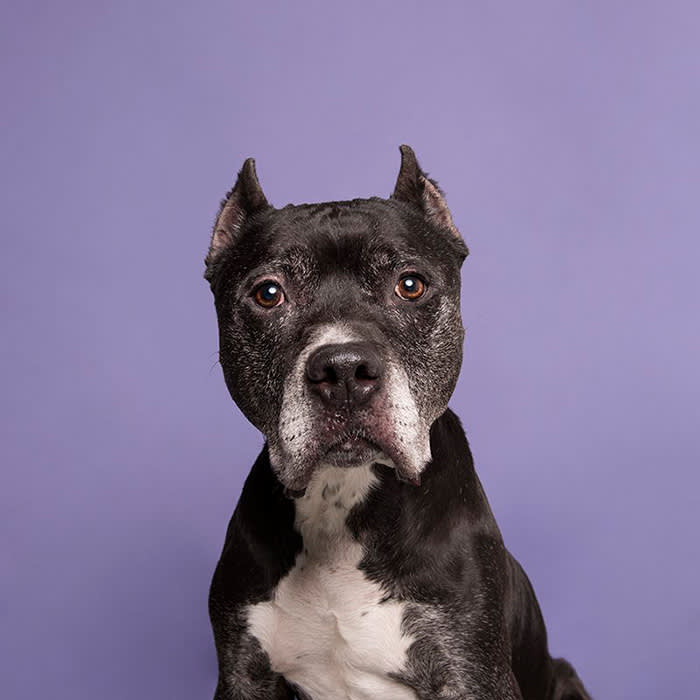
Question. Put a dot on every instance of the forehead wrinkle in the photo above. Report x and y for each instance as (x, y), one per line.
(354, 254)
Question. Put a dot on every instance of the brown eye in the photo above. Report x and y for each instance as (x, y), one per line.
(410, 287)
(268, 294)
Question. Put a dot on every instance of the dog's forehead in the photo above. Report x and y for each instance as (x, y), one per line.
(358, 231)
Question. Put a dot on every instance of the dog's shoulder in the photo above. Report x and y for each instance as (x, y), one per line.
(261, 543)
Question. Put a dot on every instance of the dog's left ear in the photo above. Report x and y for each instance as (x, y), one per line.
(415, 187)
(245, 199)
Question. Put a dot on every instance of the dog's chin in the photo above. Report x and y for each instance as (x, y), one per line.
(352, 448)
(352, 452)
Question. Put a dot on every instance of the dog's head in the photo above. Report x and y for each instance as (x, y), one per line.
(340, 334)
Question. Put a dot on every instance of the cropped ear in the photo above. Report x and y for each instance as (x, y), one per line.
(415, 187)
(245, 199)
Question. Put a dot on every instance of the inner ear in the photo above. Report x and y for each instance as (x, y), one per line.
(242, 201)
(435, 206)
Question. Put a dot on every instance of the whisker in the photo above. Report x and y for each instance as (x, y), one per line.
(218, 359)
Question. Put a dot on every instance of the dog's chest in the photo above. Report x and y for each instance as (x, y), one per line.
(326, 628)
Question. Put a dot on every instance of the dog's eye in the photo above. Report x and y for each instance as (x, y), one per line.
(268, 294)
(410, 287)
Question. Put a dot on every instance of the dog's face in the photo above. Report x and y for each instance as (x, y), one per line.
(339, 323)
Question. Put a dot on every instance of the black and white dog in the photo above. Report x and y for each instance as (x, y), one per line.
(362, 561)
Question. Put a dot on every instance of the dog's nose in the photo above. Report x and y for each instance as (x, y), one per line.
(347, 373)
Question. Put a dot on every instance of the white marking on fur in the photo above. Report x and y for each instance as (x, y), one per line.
(295, 421)
(413, 435)
(325, 629)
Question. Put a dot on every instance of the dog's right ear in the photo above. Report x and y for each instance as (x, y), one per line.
(245, 199)
(415, 187)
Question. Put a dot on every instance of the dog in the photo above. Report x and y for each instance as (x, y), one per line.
(362, 560)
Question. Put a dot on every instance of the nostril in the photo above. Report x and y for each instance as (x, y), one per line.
(319, 370)
(328, 374)
(366, 372)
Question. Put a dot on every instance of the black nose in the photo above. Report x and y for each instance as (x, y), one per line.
(347, 373)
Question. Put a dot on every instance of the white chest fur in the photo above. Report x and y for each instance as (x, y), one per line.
(324, 628)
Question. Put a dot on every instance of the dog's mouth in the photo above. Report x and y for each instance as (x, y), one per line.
(349, 448)
(358, 445)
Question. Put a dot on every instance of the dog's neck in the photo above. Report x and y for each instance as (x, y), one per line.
(322, 511)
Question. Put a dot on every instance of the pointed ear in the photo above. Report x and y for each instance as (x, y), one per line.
(415, 187)
(245, 199)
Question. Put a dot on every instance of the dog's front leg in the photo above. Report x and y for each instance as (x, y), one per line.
(260, 546)
(226, 690)
(244, 669)
(233, 690)
(245, 672)
(229, 690)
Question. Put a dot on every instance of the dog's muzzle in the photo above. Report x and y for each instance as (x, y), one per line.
(347, 402)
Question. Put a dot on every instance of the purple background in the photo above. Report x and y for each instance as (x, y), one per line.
(566, 137)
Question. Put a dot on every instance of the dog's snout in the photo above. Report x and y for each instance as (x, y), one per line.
(347, 373)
